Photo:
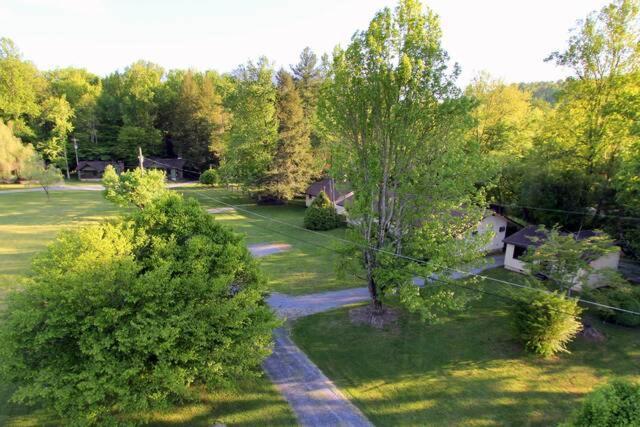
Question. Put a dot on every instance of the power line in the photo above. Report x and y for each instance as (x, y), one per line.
(418, 261)
(582, 213)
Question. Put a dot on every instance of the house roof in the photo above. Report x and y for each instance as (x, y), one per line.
(156, 162)
(532, 236)
(98, 165)
(328, 185)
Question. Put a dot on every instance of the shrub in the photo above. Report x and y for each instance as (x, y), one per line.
(209, 177)
(625, 296)
(547, 322)
(321, 215)
(615, 404)
(137, 187)
(126, 317)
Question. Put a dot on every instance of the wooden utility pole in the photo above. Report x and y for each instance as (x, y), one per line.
(75, 147)
(66, 159)
(140, 158)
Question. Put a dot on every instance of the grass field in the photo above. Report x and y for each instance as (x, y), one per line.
(307, 268)
(466, 371)
(28, 222)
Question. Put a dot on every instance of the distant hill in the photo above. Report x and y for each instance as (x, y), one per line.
(547, 91)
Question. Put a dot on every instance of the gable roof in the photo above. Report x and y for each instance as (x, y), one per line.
(99, 165)
(329, 187)
(532, 236)
(156, 162)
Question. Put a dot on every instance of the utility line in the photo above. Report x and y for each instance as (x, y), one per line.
(408, 258)
(627, 218)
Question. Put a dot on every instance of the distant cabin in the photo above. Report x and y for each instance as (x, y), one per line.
(89, 170)
(530, 237)
(172, 167)
(339, 197)
(496, 223)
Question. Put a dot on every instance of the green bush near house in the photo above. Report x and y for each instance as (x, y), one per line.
(613, 405)
(546, 322)
(210, 177)
(321, 215)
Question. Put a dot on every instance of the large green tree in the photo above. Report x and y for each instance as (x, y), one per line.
(292, 164)
(253, 131)
(399, 125)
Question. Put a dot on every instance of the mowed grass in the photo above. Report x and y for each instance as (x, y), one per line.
(28, 223)
(469, 370)
(308, 267)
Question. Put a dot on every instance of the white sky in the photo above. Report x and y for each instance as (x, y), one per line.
(508, 38)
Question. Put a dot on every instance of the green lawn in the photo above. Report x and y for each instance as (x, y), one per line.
(28, 222)
(307, 268)
(467, 370)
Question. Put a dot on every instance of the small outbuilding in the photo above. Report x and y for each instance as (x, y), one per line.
(531, 237)
(172, 167)
(339, 197)
(89, 170)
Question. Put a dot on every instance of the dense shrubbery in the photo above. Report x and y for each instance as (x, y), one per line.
(125, 317)
(622, 295)
(615, 404)
(321, 215)
(209, 177)
(137, 187)
(547, 322)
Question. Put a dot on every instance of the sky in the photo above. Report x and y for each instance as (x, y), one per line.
(507, 38)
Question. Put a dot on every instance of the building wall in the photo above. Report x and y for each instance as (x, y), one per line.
(513, 264)
(493, 223)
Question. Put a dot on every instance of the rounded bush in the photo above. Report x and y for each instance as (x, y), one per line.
(321, 215)
(122, 318)
(615, 404)
(626, 297)
(547, 322)
(209, 177)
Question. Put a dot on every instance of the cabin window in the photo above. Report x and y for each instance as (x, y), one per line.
(518, 251)
(502, 229)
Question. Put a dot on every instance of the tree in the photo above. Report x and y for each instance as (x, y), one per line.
(137, 187)
(17, 160)
(321, 214)
(254, 125)
(547, 322)
(139, 314)
(291, 168)
(56, 124)
(398, 124)
(21, 88)
(614, 404)
(565, 258)
(603, 52)
(209, 177)
(46, 176)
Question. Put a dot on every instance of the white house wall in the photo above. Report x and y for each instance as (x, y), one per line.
(511, 263)
(493, 223)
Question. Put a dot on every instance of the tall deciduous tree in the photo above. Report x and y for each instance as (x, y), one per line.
(399, 126)
(291, 168)
(254, 126)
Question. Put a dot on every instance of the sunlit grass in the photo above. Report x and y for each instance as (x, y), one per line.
(469, 370)
(310, 264)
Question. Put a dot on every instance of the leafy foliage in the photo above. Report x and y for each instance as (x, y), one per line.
(17, 160)
(209, 177)
(612, 405)
(547, 322)
(617, 293)
(291, 167)
(137, 187)
(321, 214)
(127, 316)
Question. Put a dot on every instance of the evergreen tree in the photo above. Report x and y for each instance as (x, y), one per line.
(290, 170)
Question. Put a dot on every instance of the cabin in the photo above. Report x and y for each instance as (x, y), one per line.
(339, 197)
(92, 170)
(531, 237)
(171, 167)
(495, 222)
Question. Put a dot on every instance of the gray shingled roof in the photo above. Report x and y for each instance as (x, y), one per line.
(156, 162)
(98, 165)
(532, 236)
(329, 187)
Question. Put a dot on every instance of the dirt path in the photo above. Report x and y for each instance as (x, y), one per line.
(315, 400)
(290, 307)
